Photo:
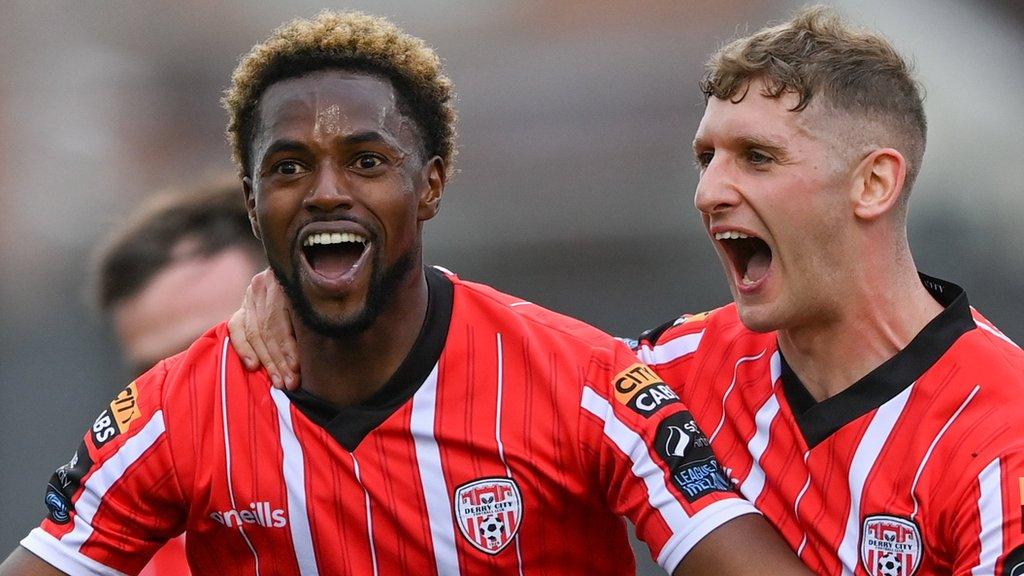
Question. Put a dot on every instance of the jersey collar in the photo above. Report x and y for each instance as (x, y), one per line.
(350, 424)
(819, 420)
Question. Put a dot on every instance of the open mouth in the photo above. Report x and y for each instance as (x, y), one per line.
(751, 257)
(333, 254)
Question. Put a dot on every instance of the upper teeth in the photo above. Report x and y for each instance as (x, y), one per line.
(732, 235)
(332, 238)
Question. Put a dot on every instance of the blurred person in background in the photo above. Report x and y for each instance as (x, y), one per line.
(444, 427)
(177, 266)
(866, 409)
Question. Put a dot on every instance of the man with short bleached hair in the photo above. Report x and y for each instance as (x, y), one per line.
(866, 409)
(443, 427)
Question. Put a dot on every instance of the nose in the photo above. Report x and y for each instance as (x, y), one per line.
(329, 192)
(717, 189)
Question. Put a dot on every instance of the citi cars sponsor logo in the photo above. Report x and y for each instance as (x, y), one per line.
(116, 419)
(642, 390)
(259, 513)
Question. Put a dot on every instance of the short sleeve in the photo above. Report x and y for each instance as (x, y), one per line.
(653, 463)
(117, 500)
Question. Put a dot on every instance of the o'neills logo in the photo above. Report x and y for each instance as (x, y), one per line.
(259, 513)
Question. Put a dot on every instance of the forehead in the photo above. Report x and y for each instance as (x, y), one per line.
(333, 100)
(754, 117)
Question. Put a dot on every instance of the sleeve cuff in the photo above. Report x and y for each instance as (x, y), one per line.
(716, 514)
(62, 557)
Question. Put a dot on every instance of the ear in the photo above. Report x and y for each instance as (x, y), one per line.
(879, 183)
(250, 206)
(430, 198)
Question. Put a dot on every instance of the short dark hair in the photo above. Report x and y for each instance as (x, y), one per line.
(346, 41)
(170, 227)
(817, 55)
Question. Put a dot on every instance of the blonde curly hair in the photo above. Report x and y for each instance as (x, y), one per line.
(348, 41)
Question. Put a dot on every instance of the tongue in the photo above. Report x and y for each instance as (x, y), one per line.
(332, 263)
(757, 266)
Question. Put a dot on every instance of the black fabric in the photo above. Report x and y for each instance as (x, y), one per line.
(819, 420)
(653, 334)
(350, 424)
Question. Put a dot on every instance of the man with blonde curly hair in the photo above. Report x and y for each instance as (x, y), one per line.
(867, 410)
(443, 427)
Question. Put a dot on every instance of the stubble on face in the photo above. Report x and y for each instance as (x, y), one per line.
(383, 285)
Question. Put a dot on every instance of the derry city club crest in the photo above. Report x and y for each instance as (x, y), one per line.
(489, 511)
(890, 546)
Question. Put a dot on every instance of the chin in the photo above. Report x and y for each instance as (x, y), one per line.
(336, 321)
(758, 318)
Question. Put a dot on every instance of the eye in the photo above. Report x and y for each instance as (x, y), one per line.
(368, 161)
(758, 158)
(703, 159)
(289, 168)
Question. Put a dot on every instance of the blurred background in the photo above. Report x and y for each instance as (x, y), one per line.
(575, 178)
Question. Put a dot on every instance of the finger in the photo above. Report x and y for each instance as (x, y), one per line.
(278, 332)
(260, 348)
(236, 329)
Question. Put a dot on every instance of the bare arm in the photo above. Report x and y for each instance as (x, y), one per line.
(21, 562)
(261, 331)
(746, 545)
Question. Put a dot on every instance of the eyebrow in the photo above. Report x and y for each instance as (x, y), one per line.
(746, 141)
(283, 145)
(365, 137)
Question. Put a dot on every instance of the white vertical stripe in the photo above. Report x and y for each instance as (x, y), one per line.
(369, 514)
(990, 511)
(497, 438)
(686, 530)
(928, 454)
(227, 444)
(753, 484)
(435, 489)
(863, 462)
(294, 470)
(799, 498)
(671, 350)
(728, 391)
(96, 487)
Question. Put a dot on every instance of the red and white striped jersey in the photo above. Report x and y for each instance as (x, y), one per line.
(511, 441)
(918, 468)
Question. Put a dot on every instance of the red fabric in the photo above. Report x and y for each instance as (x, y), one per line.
(169, 560)
(507, 407)
(927, 467)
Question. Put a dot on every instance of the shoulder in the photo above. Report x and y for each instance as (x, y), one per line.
(979, 391)
(191, 383)
(683, 336)
(990, 343)
(482, 304)
(200, 361)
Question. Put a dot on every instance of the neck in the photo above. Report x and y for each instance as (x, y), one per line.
(349, 370)
(878, 315)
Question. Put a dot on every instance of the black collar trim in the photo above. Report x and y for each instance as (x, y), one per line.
(819, 420)
(350, 424)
